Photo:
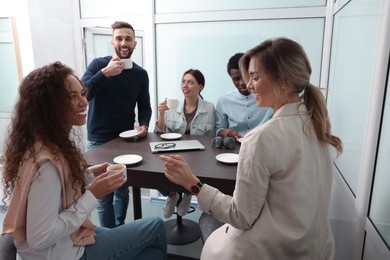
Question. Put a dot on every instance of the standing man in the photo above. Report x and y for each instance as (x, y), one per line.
(113, 94)
(236, 111)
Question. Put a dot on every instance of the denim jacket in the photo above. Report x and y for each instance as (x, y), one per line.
(202, 124)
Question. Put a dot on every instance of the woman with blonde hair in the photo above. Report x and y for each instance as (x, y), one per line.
(279, 208)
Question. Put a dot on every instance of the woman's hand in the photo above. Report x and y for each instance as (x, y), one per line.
(99, 168)
(178, 171)
(162, 107)
(105, 184)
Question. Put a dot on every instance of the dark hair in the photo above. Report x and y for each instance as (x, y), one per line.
(282, 60)
(198, 77)
(39, 114)
(233, 62)
(121, 24)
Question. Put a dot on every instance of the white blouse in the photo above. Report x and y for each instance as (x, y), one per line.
(49, 226)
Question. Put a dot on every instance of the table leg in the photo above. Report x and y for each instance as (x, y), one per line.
(137, 207)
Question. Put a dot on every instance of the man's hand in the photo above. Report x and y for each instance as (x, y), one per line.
(142, 130)
(230, 132)
(114, 67)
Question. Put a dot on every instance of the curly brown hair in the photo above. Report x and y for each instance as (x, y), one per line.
(40, 115)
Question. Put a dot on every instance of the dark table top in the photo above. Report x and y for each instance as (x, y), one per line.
(149, 173)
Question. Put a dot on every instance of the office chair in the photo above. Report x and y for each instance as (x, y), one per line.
(7, 248)
(207, 225)
(182, 231)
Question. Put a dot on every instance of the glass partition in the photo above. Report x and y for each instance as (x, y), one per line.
(8, 67)
(352, 59)
(380, 206)
(207, 46)
(180, 6)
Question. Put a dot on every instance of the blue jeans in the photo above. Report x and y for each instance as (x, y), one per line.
(112, 208)
(92, 145)
(142, 239)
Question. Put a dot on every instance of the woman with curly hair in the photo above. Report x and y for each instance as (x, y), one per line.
(52, 190)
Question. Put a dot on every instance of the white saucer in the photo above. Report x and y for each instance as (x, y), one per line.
(227, 157)
(170, 136)
(128, 133)
(128, 159)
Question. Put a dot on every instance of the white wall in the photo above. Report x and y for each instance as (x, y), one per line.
(17, 9)
(55, 33)
(48, 31)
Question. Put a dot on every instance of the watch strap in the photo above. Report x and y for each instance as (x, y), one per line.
(195, 189)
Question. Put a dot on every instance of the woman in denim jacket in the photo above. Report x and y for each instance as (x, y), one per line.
(193, 116)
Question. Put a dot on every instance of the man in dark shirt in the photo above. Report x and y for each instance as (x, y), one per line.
(113, 95)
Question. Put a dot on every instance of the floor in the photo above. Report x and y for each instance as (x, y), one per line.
(153, 207)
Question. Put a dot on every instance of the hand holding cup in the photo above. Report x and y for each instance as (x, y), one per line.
(172, 103)
(104, 183)
(116, 168)
(128, 64)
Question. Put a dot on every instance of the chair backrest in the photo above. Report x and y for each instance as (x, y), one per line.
(208, 224)
(7, 248)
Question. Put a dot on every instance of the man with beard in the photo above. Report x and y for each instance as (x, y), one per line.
(236, 111)
(114, 92)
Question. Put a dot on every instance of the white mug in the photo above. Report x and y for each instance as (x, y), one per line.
(128, 63)
(172, 103)
(115, 168)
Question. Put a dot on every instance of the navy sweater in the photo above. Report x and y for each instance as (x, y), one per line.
(112, 100)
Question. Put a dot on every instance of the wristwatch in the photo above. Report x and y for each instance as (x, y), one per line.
(195, 189)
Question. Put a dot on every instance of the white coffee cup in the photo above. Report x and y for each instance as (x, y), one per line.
(115, 168)
(128, 63)
(172, 103)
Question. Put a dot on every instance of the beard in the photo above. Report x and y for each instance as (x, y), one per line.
(118, 52)
(243, 91)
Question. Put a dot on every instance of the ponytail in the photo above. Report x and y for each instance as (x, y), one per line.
(315, 103)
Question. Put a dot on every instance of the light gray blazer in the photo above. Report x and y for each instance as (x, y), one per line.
(279, 209)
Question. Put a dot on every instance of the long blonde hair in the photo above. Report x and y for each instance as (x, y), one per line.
(284, 59)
